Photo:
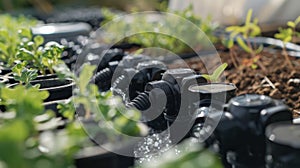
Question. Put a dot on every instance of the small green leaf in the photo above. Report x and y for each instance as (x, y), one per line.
(255, 30)
(259, 50)
(206, 76)
(291, 24)
(232, 28)
(39, 40)
(85, 76)
(25, 33)
(228, 43)
(4, 33)
(297, 21)
(243, 45)
(3, 48)
(248, 18)
(254, 66)
(217, 73)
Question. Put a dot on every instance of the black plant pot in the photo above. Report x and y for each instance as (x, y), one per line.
(6, 76)
(58, 89)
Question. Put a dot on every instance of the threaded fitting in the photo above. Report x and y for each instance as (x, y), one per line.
(141, 102)
(103, 79)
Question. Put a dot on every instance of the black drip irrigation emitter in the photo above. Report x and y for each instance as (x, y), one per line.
(239, 136)
(133, 80)
(283, 145)
(250, 130)
(172, 87)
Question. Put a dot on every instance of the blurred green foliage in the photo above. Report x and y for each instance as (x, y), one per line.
(162, 33)
(22, 143)
(13, 31)
(49, 5)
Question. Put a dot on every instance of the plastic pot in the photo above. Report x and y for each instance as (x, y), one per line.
(58, 89)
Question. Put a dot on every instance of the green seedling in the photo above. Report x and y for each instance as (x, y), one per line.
(242, 34)
(293, 25)
(38, 56)
(287, 35)
(215, 76)
(249, 29)
(17, 44)
(24, 75)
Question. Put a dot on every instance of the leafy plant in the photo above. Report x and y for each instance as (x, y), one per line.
(214, 77)
(20, 100)
(23, 74)
(17, 45)
(35, 54)
(10, 37)
(22, 144)
(287, 35)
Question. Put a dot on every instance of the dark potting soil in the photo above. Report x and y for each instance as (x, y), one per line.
(273, 77)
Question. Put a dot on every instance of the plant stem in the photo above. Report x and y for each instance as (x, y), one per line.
(250, 46)
(253, 55)
(51, 70)
(261, 66)
(234, 61)
(287, 59)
